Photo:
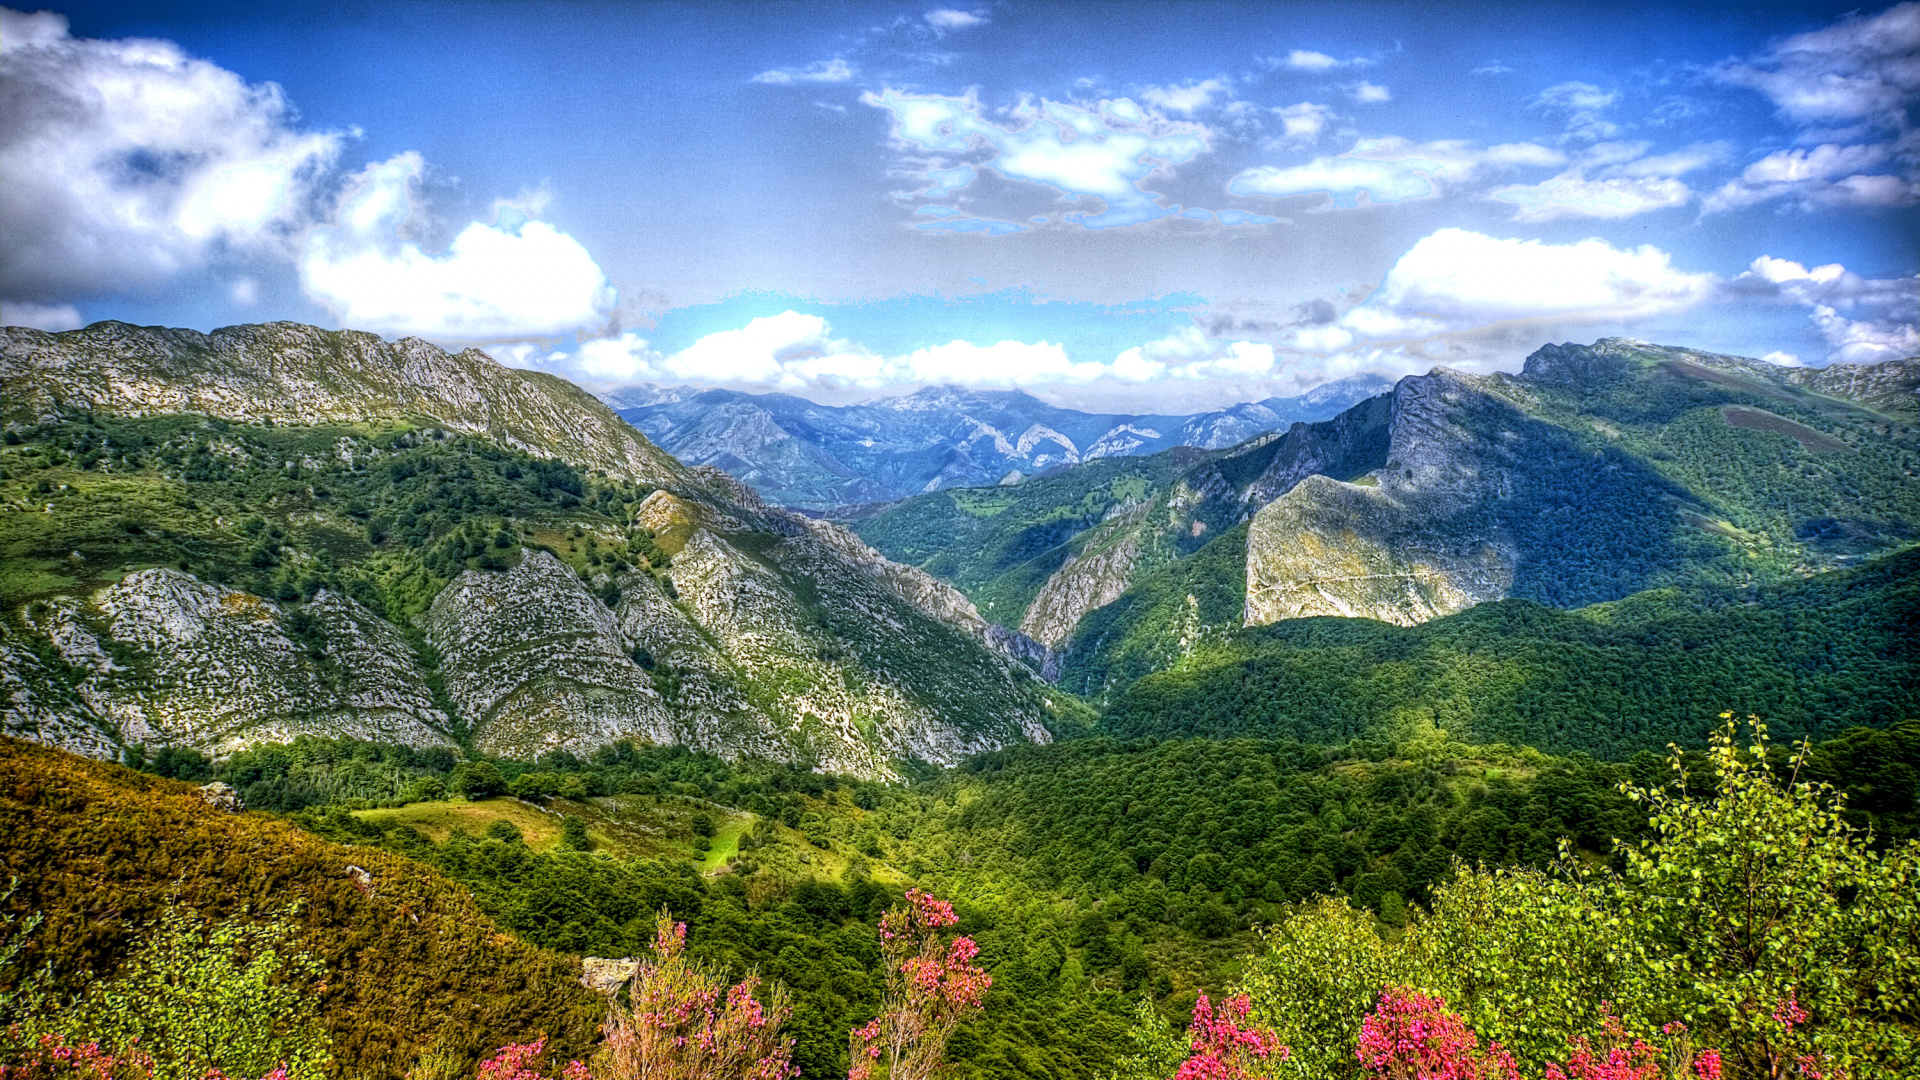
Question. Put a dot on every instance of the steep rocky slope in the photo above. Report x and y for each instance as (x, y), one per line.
(182, 579)
(1596, 472)
(799, 453)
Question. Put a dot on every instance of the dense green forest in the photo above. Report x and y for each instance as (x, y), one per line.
(1815, 656)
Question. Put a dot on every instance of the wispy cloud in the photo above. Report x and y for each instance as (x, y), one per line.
(835, 70)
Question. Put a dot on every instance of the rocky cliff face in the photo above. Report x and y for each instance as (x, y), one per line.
(163, 658)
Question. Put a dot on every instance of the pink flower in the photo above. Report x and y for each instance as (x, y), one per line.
(1789, 1014)
(1706, 1065)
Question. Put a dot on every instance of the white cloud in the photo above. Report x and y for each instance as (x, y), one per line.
(795, 350)
(1575, 197)
(1370, 94)
(1581, 104)
(1309, 60)
(1106, 152)
(518, 278)
(1455, 282)
(835, 70)
(1304, 122)
(126, 162)
(1612, 180)
(1190, 354)
(1186, 98)
(1492, 67)
(50, 317)
(1391, 170)
(1889, 324)
(1678, 162)
(1861, 69)
(1827, 176)
(946, 19)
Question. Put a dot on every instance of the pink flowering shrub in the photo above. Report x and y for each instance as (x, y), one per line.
(1410, 1036)
(932, 985)
(683, 1022)
(51, 1057)
(1223, 1050)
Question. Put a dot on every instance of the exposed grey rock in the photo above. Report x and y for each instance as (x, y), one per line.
(213, 668)
(221, 796)
(536, 662)
(1095, 577)
(605, 976)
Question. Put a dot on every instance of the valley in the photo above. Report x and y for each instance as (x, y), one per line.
(1149, 720)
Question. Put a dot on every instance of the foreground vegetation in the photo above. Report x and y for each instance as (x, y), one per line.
(1308, 878)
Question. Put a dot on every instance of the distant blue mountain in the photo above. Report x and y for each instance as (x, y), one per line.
(820, 457)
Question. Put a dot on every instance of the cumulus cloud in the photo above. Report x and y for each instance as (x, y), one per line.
(50, 317)
(126, 162)
(1370, 93)
(1612, 180)
(1845, 86)
(1861, 69)
(795, 351)
(1577, 197)
(1827, 176)
(1888, 310)
(1188, 97)
(1104, 152)
(1456, 282)
(1191, 354)
(515, 278)
(1303, 123)
(1391, 170)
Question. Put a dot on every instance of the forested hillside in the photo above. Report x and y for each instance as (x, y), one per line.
(1815, 657)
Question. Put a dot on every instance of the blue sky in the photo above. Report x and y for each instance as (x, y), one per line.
(1118, 204)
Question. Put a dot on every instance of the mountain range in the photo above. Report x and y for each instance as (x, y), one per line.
(821, 457)
(213, 541)
(1596, 472)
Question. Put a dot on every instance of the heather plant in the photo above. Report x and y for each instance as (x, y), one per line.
(682, 1021)
(1413, 1036)
(932, 985)
(1221, 1049)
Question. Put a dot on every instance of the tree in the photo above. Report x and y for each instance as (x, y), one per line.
(477, 780)
(573, 834)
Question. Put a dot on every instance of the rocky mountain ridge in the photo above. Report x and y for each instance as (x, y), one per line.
(819, 457)
(1597, 471)
(419, 585)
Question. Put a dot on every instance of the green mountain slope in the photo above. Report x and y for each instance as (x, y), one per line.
(409, 965)
(183, 579)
